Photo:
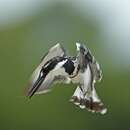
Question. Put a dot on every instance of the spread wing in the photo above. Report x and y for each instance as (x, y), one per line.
(55, 51)
(48, 76)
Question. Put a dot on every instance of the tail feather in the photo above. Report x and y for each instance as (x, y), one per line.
(90, 101)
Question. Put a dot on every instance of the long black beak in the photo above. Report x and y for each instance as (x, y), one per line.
(35, 87)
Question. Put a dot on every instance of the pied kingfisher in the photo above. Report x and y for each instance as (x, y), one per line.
(83, 70)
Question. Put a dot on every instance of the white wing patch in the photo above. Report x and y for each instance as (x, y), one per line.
(60, 64)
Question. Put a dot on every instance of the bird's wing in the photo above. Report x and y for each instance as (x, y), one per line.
(43, 82)
(55, 51)
(95, 67)
(96, 70)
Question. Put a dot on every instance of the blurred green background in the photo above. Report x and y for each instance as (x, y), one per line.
(22, 45)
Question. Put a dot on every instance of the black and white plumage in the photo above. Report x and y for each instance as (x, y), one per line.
(83, 70)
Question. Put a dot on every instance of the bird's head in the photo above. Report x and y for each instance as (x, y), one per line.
(84, 52)
(81, 48)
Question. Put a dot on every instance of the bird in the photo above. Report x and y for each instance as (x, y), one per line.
(57, 66)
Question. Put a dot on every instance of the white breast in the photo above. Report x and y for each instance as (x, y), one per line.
(85, 78)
